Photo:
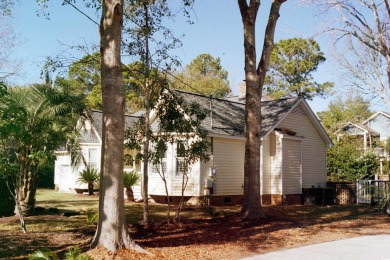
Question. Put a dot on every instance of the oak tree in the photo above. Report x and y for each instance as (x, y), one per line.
(255, 77)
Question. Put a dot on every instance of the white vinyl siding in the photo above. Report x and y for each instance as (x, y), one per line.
(174, 180)
(266, 167)
(313, 148)
(276, 165)
(229, 163)
(292, 183)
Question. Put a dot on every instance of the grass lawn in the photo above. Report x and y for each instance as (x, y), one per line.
(63, 224)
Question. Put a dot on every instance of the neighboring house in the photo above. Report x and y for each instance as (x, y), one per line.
(293, 153)
(373, 132)
(369, 137)
(90, 132)
(380, 123)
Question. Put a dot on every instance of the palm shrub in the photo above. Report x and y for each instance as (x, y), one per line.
(89, 176)
(130, 179)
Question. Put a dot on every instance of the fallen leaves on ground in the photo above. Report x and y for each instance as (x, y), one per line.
(225, 237)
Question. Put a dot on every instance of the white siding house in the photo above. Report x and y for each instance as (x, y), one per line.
(293, 153)
(65, 173)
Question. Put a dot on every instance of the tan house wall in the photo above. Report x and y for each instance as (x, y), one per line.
(313, 148)
(292, 176)
(229, 163)
(266, 167)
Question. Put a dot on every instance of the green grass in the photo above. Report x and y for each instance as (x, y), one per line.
(65, 201)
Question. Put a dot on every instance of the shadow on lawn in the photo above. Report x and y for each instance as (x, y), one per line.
(232, 229)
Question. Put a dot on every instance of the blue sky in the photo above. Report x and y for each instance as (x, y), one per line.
(217, 30)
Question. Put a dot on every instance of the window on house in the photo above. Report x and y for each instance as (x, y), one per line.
(161, 166)
(92, 158)
(180, 155)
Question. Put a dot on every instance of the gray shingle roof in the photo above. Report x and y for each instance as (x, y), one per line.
(88, 136)
(228, 117)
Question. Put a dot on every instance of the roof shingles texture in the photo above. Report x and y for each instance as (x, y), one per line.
(228, 118)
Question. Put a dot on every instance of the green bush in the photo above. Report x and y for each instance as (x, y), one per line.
(7, 203)
(46, 176)
(346, 163)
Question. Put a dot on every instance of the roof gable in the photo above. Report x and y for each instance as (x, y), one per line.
(374, 116)
(94, 134)
(356, 129)
(227, 117)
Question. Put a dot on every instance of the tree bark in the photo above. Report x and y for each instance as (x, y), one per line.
(130, 194)
(112, 232)
(254, 78)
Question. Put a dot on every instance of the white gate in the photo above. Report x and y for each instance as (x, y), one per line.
(370, 191)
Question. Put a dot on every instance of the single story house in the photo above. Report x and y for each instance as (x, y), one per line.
(293, 153)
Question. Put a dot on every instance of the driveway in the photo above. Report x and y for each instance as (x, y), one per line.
(367, 247)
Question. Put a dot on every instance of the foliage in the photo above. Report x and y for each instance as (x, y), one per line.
(43, 254)
(150, 42)
(34, 121)
(292, 63)
(89, 176)
(7, 203)
(84, 77)
(205, 75)
(73, 253)
(130, 179)
(385, 199)
(346, 163)
(91, 217)
(178, 122)
(46, 175)
(340, 111)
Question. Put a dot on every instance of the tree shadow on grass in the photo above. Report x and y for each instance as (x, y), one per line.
(57, 233)
(289, 220)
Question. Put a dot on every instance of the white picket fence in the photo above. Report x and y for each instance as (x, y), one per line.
(370, 191)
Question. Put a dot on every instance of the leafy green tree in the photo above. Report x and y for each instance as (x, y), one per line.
(34, 122)
(340, 111)
(204, 74)
(84, 77)
(144, 24)
(290, 74)
(178, 123)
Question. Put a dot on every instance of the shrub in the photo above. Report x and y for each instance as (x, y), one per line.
(89, 176)
(129, 180)
(7, 203)
(346, 163)
(46, 176)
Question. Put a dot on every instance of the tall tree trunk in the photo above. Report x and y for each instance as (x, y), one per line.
(148, 91)
(26, 187)
(254, 77)
(112, 232)
(145, 154)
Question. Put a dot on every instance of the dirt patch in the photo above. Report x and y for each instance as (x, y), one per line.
(224, 237)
